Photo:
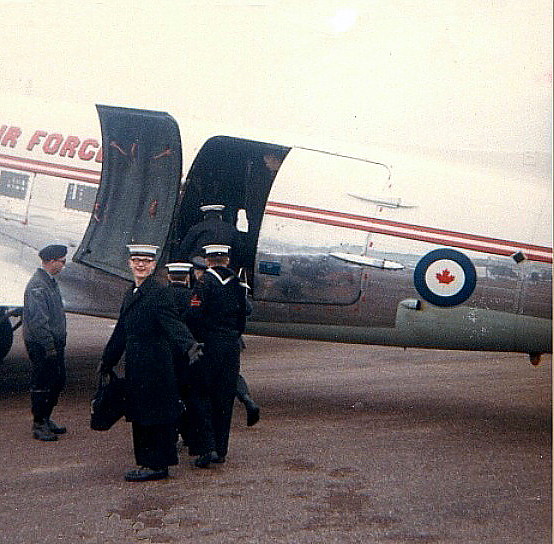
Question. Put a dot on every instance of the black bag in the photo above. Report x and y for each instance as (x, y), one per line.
(108, 404)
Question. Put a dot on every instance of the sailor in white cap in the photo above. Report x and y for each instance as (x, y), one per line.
(211, 230)
(147, 331)
(218, 309)
(179, 276)
(243, 393)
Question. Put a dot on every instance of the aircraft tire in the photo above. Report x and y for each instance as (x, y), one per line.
(6, 336)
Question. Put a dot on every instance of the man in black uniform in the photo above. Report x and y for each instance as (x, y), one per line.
(180, 290)
(211, 230)
(218, 309)
(44, 333)
(243, 393)
(148, 331)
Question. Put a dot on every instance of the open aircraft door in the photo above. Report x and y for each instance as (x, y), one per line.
(141, 173)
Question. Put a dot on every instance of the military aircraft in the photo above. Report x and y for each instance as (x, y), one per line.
(346, 244)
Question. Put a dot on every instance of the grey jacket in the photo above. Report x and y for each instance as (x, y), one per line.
(43, 313)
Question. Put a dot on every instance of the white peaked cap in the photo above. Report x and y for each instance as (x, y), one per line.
(143, 249)
(176, 268)
(212, 208)
(216, 249)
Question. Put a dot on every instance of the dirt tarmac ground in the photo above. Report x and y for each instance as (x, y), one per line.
(356, 444)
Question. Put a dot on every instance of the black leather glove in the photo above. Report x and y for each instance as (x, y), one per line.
(195, 353)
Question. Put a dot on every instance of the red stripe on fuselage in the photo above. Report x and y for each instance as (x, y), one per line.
(43, 167)
(419, 228)
(419, 233)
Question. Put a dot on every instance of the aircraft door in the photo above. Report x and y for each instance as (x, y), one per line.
(312, 246)
(141, 174)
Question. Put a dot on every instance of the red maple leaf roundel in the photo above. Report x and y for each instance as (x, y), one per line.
(445, 276)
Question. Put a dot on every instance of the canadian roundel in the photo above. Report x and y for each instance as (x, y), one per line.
(445, 277)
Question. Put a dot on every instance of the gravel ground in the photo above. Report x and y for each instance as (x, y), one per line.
(355, 444)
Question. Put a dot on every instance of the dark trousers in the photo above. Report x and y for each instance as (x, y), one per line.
(243, 393)
(213, 390)
(155, 445)
(47, 379)
(183, 383)
(183, 423)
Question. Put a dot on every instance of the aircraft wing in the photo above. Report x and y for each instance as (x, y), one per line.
(14, 275)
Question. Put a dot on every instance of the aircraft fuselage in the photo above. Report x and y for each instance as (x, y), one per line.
(371, 247)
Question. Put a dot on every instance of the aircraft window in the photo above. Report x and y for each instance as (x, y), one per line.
(14, 185)
(80, 197)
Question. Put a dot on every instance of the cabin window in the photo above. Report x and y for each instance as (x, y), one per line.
(80, 197)
(13, 185)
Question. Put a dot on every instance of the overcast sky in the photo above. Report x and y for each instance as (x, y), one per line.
(462, 74)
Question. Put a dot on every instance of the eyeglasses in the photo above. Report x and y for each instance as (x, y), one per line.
(62, 260)
(141, 260)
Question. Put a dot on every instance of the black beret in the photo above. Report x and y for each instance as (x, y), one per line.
(51, 252)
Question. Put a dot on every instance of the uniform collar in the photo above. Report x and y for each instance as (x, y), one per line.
(216, 272)
(47, 275)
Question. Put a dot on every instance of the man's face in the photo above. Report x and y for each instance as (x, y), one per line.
(54, 266)
(141, 267)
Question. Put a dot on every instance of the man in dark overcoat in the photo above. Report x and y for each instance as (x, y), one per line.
(218, 311)
(147, 329)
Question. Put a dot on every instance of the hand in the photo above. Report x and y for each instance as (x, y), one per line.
(195, 353)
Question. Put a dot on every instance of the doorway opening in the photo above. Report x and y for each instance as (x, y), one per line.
(234, 172)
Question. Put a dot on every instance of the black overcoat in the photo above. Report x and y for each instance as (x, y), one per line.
(147, 330)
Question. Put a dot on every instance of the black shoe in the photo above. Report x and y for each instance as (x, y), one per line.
(144, 474)
(41, 431)
(220, 459)
(252, 414)
(55, 428)
(204, 460)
